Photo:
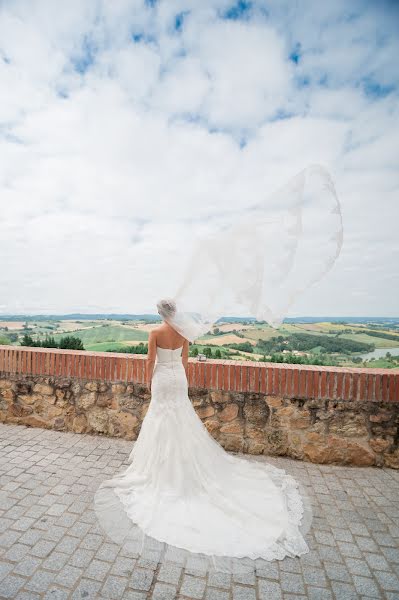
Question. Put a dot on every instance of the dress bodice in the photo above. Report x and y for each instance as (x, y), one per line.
(169, 355)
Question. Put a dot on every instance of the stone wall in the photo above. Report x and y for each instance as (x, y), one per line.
(319, 414)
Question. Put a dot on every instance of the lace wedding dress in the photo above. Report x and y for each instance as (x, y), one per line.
(183, 497)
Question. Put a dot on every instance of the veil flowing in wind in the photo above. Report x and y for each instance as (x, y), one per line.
(192, 503)
(262, 262)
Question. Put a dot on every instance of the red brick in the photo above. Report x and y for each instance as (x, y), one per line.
(391, 386)
(219, 375)
(385, 389)
(190, 374)
(302, 383)
(323, 384)
(370, 386)
(124, 368)
(340, 379)
(225, 380)
(232, 383)
(262, 379)
(363, 386)
(355, 386)
(290, 382)
(59, 364)
(129, 369)
(198, 369)
(52, 357)
(270, 382)
(378, 388)
(244, 378)
(310, 383)
(283, 386)
(295, 383)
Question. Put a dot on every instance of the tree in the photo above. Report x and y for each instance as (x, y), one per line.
(27, 340)
(71, 342)
(218, 354)
(208, 352)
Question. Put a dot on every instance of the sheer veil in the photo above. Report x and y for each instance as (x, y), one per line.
(260, 262)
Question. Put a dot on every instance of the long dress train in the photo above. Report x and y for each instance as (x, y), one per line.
(184, 498)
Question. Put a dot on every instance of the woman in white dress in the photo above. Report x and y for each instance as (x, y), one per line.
(183, 495)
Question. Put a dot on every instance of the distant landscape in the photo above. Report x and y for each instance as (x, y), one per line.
(360, 341)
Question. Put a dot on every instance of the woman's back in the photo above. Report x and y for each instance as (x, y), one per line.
(168, 338)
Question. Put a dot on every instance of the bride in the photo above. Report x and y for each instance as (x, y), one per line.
(183, 494)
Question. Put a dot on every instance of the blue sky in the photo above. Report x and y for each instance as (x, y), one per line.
(126, 126)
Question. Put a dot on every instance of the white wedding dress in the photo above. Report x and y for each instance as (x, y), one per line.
(183, 496)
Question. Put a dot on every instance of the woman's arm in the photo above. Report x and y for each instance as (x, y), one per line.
(152, 351)
(185, 356)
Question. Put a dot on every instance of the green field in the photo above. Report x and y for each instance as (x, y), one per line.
(334, 343)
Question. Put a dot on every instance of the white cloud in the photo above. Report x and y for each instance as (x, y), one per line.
(119, 140)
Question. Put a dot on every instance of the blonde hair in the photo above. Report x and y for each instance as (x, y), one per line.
(166, 307)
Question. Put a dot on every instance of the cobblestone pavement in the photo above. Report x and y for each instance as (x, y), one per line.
(51, 545)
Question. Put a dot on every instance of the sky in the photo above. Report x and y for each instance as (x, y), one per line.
(126, 126)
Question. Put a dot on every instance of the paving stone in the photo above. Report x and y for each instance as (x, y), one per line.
(91, 541)
(366, 586)
(107, 552)
(169, 573)
(366, 544)
(212, 594)
(26, 567)
(28, 596)
(123, 566)
(343, 535)
(10, 585)
(338, 572)
(56, 593)
(358, 567)
(349, 550)
(376, 561)
(388, 581)
(243, 593)
(193, 587)
(291, 565)
(316, 593)
(131, 595)
(55, 561)
(42, 548)
(98, 569)
(40, 581)
(17, 552)
(68, 576)
(82, 557)
(344, 591)
(269, 570)
(141, 579)
(269, 590)
(245, 578)
(114, 587)
(323, 537)
(164, 591)
(220, 580)
(87, 589)
(68, 544)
